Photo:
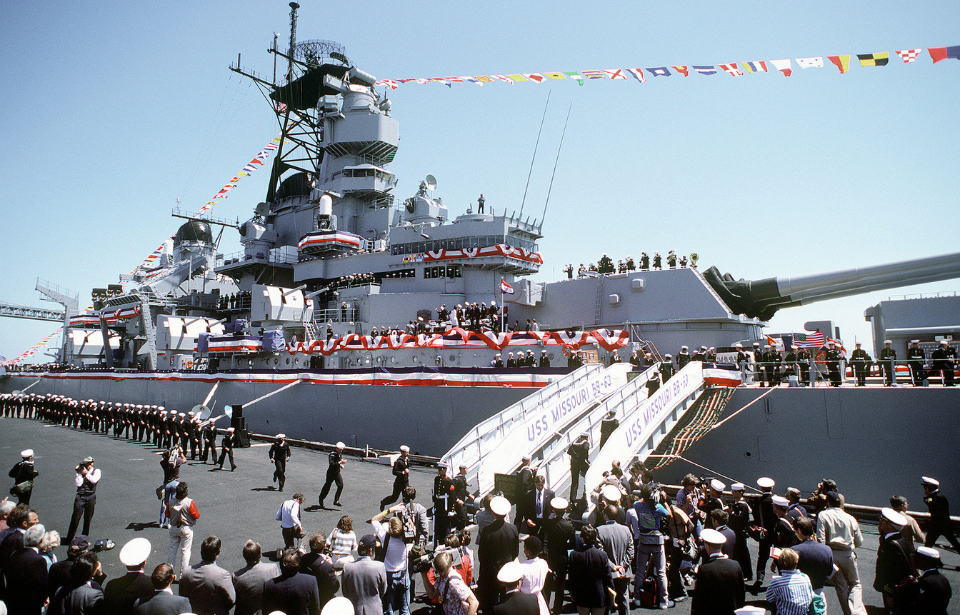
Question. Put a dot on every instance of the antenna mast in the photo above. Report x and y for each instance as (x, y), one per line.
(535, 147)
(293, 38)
(555, 162)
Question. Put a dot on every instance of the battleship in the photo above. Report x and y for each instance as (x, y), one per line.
(354, 314)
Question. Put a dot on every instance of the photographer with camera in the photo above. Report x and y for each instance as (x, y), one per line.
(396, 548)
(170, 463)
(85, 503)
(453, 593)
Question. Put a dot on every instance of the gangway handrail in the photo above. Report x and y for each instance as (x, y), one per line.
(480, 441)
(548, 424)
(647, 426)
(622, 402)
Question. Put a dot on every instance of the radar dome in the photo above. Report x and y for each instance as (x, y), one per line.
(194, 231)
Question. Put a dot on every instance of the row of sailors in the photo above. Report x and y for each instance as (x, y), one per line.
(522, 359)
(471, 316)
(138, 422)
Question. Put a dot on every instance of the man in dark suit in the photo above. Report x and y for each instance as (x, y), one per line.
(719, 589)
(588, 576)
(208, 586)
(292, 593)
(934, 588)
(162, 601)
(59, 573)
(82, 594)
(816, 559)
(249, 580)
(498, 544)
(893, 559)
(26, 575)
(320, 566)
(559, 535)
(538, 505)
(11, 539)
(365, 580)
(401, 474)
(524, 487)
(121, 594)
(514, 601)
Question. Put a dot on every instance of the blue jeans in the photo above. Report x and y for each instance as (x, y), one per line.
(169, 494)
(397, 597)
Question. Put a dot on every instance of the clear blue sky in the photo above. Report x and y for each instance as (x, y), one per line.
(111, 111)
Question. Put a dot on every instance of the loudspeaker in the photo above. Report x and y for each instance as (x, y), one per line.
(239, 424)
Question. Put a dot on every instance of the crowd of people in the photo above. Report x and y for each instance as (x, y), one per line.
(606, 265)
(636, 546)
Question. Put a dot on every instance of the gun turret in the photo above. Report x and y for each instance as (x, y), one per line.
(762, 298)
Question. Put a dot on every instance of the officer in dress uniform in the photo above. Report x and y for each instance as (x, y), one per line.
(442, 504)
(209, 442)
(833, 364)
(278, 454)
(644, 262)
(860, 361)
(916, 357)
(933, 589)
(803, 364)
(944, 361)
(656, 261)
(672, 259)
(887, 353)
(401, 474)
(683, 357)
(335, 463)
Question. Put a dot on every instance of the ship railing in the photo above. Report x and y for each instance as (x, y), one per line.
(471, 449)
(265, 256)
(322, 317)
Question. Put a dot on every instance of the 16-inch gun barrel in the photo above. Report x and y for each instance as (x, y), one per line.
(762, 298)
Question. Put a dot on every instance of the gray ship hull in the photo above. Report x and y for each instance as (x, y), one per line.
(430, 418)
(875, 442)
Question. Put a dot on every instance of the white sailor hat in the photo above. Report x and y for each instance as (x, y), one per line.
(341, 446)
(713, 537)
(404, 449)
(717, 485)
(737, 487)
(510, 573)
(930, 481)
(337, 606)
(611, 493)
(231, 429)
(765, 483)
(765, 346)
(857, 344)
(135, 552)
(500, 506)
(559, 504)
(887, 342)
(893, 517)
(525, 458)
(929, 552)
(683, 348)
(944, 342)
(738, 345)
(281, 436)
(914, 341)
(779, 500)
(27, 453)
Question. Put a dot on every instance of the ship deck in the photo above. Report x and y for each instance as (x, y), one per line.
(241, 505)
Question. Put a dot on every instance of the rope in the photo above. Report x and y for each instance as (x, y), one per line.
(742, 409)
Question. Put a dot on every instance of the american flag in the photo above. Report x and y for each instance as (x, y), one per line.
(808, 340)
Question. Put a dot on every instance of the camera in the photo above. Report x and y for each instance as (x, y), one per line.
(420, 558)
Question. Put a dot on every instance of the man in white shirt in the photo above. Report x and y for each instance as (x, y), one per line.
(841, 532)
(396, 554)
(86, 501)
(289, 518)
